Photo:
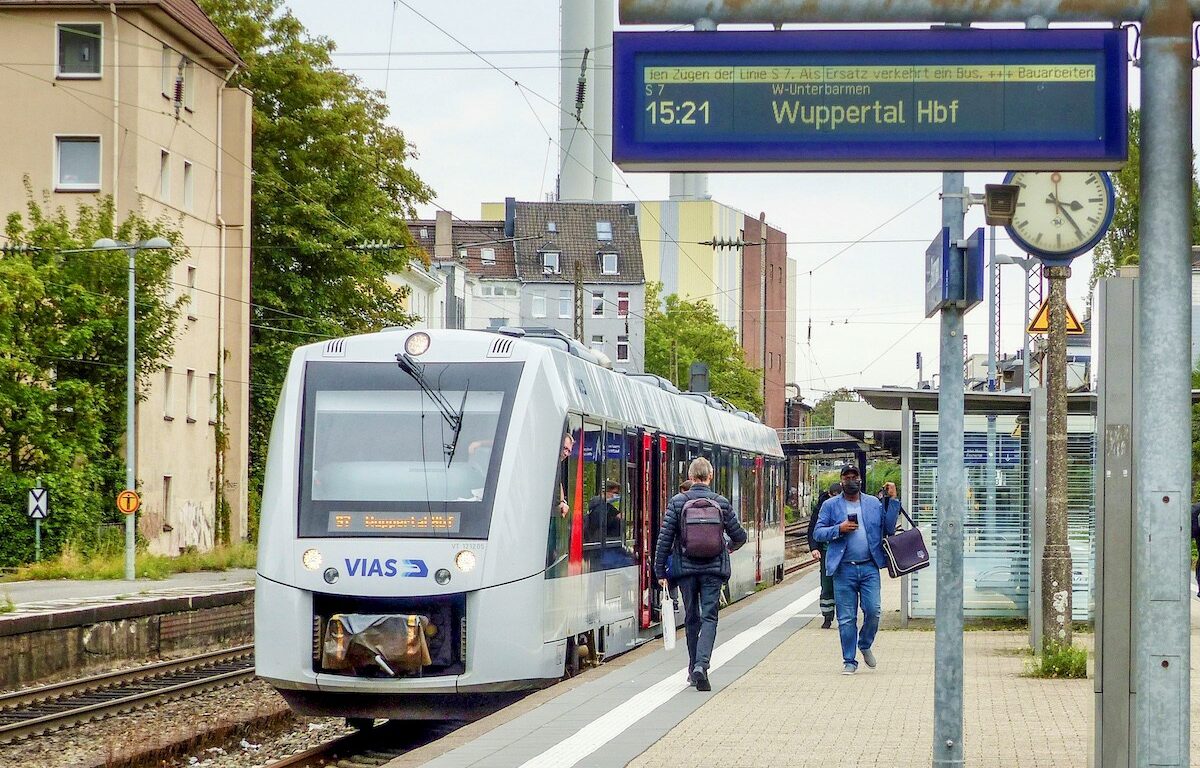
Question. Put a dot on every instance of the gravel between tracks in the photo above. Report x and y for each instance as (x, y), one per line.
(107, 741)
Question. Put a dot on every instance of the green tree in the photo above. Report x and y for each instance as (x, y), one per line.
(329, 173)
(822, 414)
(1120, 247)
(62, 351)
(679, 333)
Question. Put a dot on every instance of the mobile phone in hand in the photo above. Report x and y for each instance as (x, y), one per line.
(852, 517)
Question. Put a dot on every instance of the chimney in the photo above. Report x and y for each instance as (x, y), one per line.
(443, 234)
(510, 216)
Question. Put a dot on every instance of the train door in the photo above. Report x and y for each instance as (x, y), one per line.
(760, 497)
(646, 528)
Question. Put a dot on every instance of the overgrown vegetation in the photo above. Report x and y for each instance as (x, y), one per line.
(1059, 661)
(62, 363)
(679, 333)
(330, 173)
(71, 563)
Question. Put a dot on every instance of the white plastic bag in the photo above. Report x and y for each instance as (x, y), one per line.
(668, 620)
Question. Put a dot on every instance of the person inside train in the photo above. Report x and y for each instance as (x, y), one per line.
(604, 517)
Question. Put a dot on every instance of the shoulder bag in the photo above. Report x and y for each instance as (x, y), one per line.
(906, 551)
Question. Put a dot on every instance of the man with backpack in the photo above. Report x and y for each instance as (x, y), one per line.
(693, 534)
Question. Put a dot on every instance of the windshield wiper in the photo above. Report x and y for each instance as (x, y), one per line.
(452, 416)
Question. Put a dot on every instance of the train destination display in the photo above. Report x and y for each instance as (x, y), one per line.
(870, 100)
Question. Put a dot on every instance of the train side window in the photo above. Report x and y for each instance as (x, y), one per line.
(747, 489)
(721, 467)
(680, 450)
(593, 494)
(566, 489)
(631, 492)
(613, 491)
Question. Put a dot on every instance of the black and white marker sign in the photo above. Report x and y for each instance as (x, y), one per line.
(39, 503)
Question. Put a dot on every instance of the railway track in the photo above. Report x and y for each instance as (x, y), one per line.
(371, 747)
(795, 537)
(38, 710)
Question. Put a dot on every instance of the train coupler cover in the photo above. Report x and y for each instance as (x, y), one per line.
(391, 644)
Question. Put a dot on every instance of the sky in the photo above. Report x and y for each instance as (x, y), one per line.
(858, 238)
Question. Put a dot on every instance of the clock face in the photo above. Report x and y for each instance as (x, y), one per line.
(1061, 213)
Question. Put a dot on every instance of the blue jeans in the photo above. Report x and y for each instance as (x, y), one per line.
(854, 586)
(701, 598)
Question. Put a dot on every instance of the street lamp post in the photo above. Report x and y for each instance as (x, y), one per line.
(131, 249)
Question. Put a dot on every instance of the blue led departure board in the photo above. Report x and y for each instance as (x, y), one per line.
(955, 99)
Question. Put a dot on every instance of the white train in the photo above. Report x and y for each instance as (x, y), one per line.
(416, 559)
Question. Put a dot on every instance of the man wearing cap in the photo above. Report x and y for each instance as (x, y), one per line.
(852, 524)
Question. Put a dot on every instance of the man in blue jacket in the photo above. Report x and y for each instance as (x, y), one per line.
(853, 524)
(699, 580)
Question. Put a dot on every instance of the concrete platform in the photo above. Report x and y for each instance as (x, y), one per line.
(52, 593)
(779, 699)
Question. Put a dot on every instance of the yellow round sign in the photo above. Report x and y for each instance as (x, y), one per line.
(128, 502)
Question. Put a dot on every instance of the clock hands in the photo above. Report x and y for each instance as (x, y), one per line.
(1074, 205)
(1061, 207)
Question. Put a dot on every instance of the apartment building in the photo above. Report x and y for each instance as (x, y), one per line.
(129, 98)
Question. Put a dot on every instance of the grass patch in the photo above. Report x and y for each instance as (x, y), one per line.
(7, 605)
(72, 564)
(1059, 661)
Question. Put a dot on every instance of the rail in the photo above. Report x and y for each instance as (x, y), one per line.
(371, 746)
(33, 711)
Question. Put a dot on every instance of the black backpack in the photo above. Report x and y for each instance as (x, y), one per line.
(701, 529)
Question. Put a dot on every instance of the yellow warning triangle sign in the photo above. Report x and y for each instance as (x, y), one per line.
(1041, 321)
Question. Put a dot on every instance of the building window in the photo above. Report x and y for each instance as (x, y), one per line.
(604, 230)
(78, 160)
(497, 322)
(550, 262)
(608, 263)
(168, 72)
(510, 291)
(189, 85)
(597, 343)
(462, 252)
(487, 255)
(189, 186)
(191, 396)
(622, 303)
(598, 304)
(539, 304)
(164, 176)
(564, 303)
(551, 226)
(485, 290)
(168, 377)
(622, 349)
(166, 502)
(212, 399)
(191, 292)
(79, 50)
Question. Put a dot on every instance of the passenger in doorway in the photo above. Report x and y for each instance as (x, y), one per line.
(568, 445)
(853, 525)
(818, 549)
(690, 518)
(1196, 538)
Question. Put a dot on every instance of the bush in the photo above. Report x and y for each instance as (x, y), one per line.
(72, 564)
(1060, 661)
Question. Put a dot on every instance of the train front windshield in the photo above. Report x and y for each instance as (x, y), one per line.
(380, 456)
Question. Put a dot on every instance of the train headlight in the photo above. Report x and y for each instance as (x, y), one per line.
(442, 576)
(311, 559)
(331, 575)
(417, 344)
(465, 561)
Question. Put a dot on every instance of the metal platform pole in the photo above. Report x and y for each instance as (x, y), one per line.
(951, 504)
(1162, 440)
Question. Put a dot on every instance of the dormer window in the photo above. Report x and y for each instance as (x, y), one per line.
(550, 262)
(604, 230)
(487, 255)
(608, 264)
